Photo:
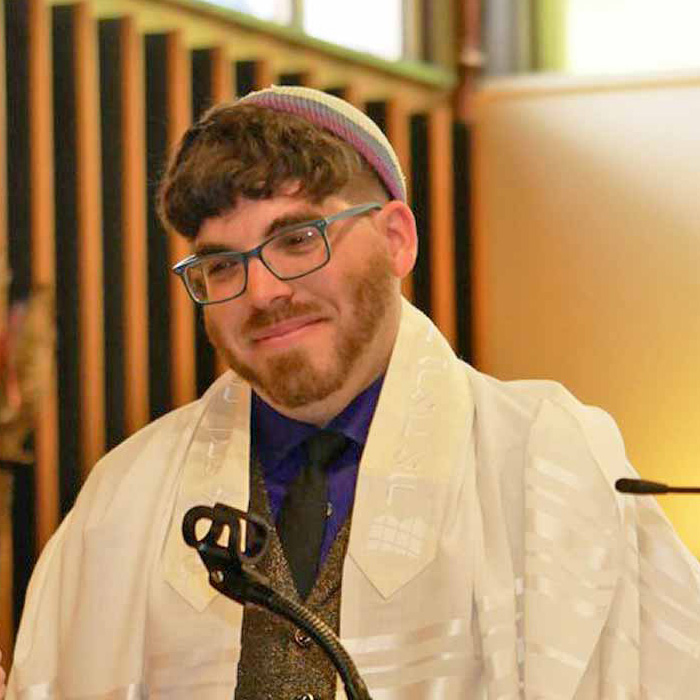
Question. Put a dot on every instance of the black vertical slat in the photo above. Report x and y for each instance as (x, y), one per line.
(201, 82)
(420, 188)
(18, 153)
(158, 268)
(294, 79)
(245, 77)
(67, 264)
(376, 111)
(234, 80)
(337, 91)
(18, 198)
(112, 145)
(202, 99)
(23, 535)
(461, 159)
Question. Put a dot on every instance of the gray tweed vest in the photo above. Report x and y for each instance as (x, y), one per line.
(279, 662)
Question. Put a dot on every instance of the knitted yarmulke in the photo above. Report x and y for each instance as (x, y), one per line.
(342, 119)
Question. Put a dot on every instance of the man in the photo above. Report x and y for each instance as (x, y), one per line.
(473, 543)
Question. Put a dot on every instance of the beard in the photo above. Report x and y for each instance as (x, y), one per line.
(291, 379)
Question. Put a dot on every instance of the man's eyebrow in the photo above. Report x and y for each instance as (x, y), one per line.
(281, 222)
(211, 248)
(287, 220)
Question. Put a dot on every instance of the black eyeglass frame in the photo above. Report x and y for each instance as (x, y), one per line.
(320, 225)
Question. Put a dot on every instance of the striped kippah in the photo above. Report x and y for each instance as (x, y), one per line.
(342, 119)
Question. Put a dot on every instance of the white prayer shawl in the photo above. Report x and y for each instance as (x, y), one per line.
(490, 556)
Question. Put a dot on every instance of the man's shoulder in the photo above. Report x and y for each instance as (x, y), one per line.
(519, 397)
(532, 412)
(169, 425)
(145, 460)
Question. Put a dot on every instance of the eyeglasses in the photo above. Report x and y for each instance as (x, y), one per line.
(294, 252)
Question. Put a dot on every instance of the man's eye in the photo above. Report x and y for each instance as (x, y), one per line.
(221, 266)
(298, 240)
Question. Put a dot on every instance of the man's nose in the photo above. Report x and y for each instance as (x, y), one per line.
(263, 287)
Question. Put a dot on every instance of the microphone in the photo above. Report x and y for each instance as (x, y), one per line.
(641, 487)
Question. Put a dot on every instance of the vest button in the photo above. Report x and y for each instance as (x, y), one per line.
(304, 641)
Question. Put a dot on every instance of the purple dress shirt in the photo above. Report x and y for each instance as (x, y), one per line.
(277, 441)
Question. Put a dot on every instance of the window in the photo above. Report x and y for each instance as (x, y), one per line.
(270, 10)
(372, 26)
(627, 36)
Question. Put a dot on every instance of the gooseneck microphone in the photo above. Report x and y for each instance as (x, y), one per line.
(641, 487)
(232, 573)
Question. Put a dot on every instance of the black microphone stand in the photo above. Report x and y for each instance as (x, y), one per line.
(231, 572)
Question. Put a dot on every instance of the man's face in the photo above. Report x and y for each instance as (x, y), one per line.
(299, 341)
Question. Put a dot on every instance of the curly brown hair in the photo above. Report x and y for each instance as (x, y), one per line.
(253, 152)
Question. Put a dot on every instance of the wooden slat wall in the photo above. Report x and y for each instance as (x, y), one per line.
(223, 88)
(179, 117)
(89, 223)
(113, 243)
(461, 167)
(181, 309)
(393, 118)
(212, 82)
(160, 397)
(40, 116)
(134, 229)
(350, 93)
(7, 636)
(4, 265)
(420, 199)
(6, 477)
(442, 256)
(71, 278)
(104, 100)
(124, 228)
(252, 75)
(398, 133)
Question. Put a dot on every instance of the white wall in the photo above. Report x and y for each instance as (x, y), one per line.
(587, 256)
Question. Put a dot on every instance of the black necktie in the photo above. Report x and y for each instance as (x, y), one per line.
(302, 519)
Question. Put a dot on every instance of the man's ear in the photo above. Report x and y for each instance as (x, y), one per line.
(399, 228)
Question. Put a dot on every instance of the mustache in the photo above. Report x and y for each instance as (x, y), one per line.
(260, 319)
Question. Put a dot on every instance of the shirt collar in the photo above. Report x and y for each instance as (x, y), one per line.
(275, 435)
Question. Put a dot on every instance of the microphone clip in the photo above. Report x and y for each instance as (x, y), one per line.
(233, 543)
